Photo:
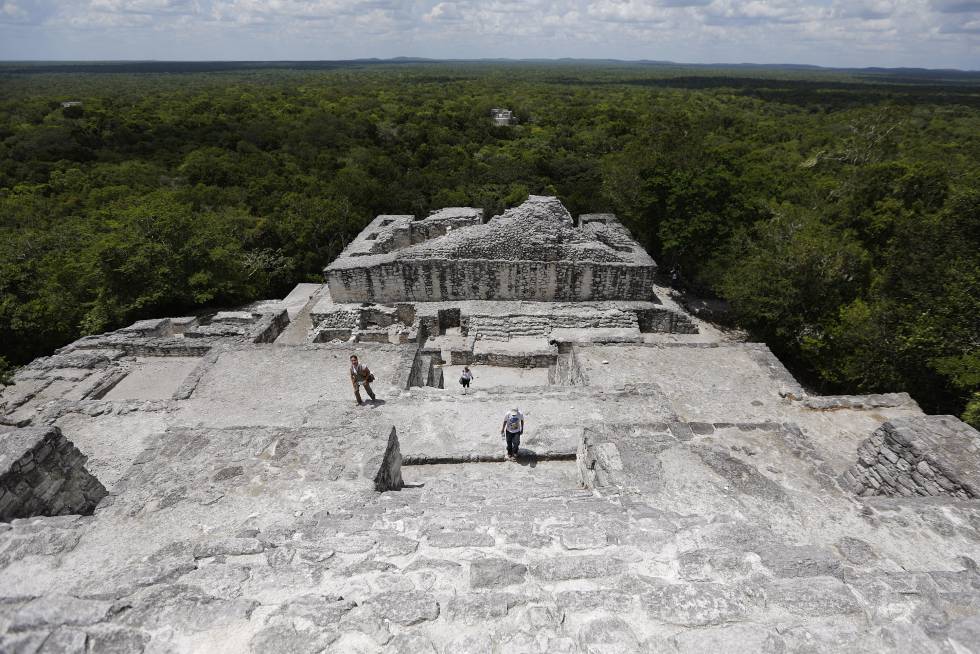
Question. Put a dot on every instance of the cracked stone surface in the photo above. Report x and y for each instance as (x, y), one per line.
(672, 495)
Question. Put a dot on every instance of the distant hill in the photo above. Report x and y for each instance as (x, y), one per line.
(876, 74)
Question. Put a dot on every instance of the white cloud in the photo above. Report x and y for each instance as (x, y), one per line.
(763, 11)
(832, 32)
(444, 11)
(628, 11)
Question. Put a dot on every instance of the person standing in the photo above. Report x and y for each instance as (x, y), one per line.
(511, 430)
(360, 375)
(465, 378)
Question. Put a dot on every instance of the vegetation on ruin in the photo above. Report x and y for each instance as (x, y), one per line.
(838, 212)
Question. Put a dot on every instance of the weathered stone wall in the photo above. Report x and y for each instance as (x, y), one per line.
(169, 348)
(442, 221)
(42, 474)
(270, 325)
(513, 359)
(504, 327)
(436, 280)
(924, 455)
(519, 353)
(378, 315)
(334, 316)
(373, 336)
(665, 321)
(324, 334)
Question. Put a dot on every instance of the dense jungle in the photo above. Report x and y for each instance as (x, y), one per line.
(836, 211)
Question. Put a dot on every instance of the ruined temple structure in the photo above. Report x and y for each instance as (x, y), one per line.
(532, 252)
(207, 483)
(502, 117)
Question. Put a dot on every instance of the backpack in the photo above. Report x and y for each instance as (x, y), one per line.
(513, 422)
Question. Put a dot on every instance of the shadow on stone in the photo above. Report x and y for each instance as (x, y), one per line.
(384, 469)
(42, 473)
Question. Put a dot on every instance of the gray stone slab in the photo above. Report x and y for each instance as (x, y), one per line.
(405, 608)
(496, 573)
(699, 604)
(816, 596)
(562, 568)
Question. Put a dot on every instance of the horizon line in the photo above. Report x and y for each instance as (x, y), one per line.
(404, 59)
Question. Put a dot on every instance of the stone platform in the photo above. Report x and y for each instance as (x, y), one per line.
(674, 493)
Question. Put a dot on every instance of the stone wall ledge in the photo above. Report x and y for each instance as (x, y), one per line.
(873, 401)
(925, 456)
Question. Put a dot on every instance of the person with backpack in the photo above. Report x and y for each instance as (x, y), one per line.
(511, 430)
(465, 378)
(360, 375)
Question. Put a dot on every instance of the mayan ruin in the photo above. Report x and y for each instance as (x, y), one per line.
(209, 483)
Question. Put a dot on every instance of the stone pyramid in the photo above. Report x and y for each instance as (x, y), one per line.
(209, 484)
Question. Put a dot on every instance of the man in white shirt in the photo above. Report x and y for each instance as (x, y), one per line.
(512, 429)
(465, 378)
(360, 374)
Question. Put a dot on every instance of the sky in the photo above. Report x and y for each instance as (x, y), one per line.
(893, 33)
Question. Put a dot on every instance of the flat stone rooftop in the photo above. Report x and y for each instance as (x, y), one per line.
(534, 251)
(676, 491)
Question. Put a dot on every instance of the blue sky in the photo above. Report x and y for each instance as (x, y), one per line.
(926, 33)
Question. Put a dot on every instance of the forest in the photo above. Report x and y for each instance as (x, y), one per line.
(837, 212)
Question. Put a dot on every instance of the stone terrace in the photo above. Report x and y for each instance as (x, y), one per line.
(676, 492)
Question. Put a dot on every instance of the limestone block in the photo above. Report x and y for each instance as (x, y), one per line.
(799, 561)
(448, 539)
(496, 573)
(471, 644)
(405, 607)
(734, 639)
(580, 601)
(59, 610)
(610, 634)
(228, 547)
(698, 604)
(233, 317)
(476, 608)
(411, 643)
(178, 606)
(816, 596)
(563, 568)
